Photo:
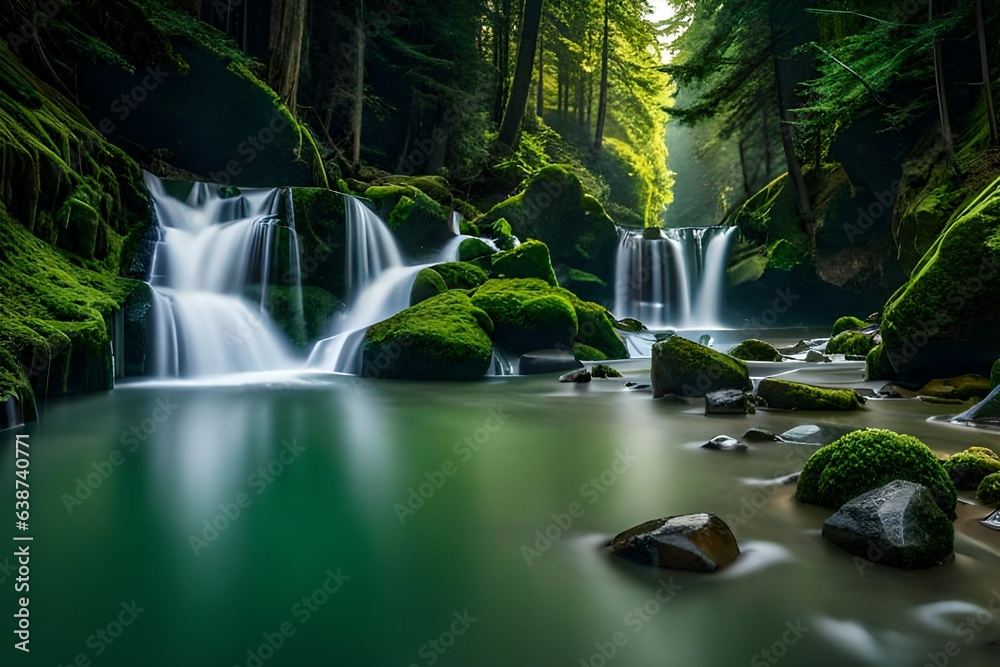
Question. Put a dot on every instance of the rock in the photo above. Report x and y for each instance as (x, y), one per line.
(817, 357)
(419, 223)
(786, 395)
(725, 443)
(588, 353)
(705, 340)
(877, 366)
(760, 435)
(969, 468)
(605, 371)
(815, 434)
(698, 542)
(629, 324)
(302, 327)
(320, 220)
(961, 388)
(428, 283)
(461, 275)
(547, 361)
(865, 460)
(585, 285)
(528, 260)
(847, 323)
(898, 525)
(988, 492)
(943, 322)
(652, 234)
(801, 346)
(729, 402)
(755, 350)
(530, 314)
(850, 343)
(470, 250)
(986, 411)
(683, 367)
(581, 375)
(939, 400)
(443, 338)
(635, 386)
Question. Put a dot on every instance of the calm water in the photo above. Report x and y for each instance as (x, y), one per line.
(352, 452)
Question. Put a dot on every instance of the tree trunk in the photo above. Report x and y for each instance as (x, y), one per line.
(579, 96)
(522, 73)
(984, 58)
(942, 97)
(767, 141)
(288, 19)
(743, 167)
(540, 93)
(359, 87)
(602, 102)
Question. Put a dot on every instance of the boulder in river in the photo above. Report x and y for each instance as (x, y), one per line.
(755, 350)
(898, 524)
(729, 402)
(968, 469)
(988, 492)
(685, 368)
(847, 323)
(699, 542)
(580, 376)
(725, 443)
(528, 260)
(787, 395)
(850, 343)
(815, 434)
(760, 435)
(817, 357)
(604, 371)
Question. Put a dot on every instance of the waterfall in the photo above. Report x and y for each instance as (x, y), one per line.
(211, 272)
(676, 281)
(371, 248)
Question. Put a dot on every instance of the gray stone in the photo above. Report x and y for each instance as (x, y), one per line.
(699, 542)
(579, 376)
(815, 434)
(817, 357)
(725, 443)
(899, 525)
(760, 435)
(729, 402)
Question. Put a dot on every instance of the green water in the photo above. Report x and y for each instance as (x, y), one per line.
(399, 582)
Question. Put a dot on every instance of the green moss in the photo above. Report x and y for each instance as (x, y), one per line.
(461, 275)
(629, 324)
(597, 328)
(866, 460)
(434, 187)
(967, 469)
(988, 492)
(471, 249)
(468, 211)
(850, 342)
(468, 228)
(755, 350)
(420, 224)
(587, 353)
(605, 371)
(321, 222)
(847, 323)
(877, 366)
(442, 338)
(428, 283)
(305, 326)
(528, 260)
(685, 368)
(786, 395)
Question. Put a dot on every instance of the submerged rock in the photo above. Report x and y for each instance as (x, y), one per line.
(729, 402)
(817, 357)
(898, 524)
(547, 361)
(852, 343)
(683, 367)
(605, 371)
(760, 435)
(815, 434)
(580, 376)
(755, 350)
(698, 542)
(787, 395)
(725, 443)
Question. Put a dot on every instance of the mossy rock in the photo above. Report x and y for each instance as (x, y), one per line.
(587, 353)
(995, 375)
(629, 324)
(461, 275)
(847, 323)
(506, 299)
(585, 285)
(866, 460)
(685, 368)
(988, 492)
(850, 342)
(528, 260)
(468, 211)
(420, 224)
(321, 223)
(553, 209)
(442, 338)
(787, 395)
(968, 469)
(605, 371)
(877, 366)
(468, 228)
(428, 283)
(755, 350)
(477, 252)
(302, 327)
(435, 187)
(943, 322)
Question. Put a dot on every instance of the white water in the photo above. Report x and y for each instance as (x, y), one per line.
(371, 248)
(212, 254)
(674, 282)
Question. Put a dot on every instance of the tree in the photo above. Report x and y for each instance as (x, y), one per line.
(984, 59)
(288, 20)
(359, 85)
(602, 99)
(522, 72)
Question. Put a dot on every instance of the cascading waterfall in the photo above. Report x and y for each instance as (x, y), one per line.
(676, 281)
(210, 276)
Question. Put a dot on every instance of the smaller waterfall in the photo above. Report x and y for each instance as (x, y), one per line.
(456, 222)
(371, 248)
(676, 281)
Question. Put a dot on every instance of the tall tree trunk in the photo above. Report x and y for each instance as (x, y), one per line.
(602, 102)
(540, 93)
(984, 58)
(940, 85)
(518, 97)
(359, 86)
(579, 96)
(288, 20)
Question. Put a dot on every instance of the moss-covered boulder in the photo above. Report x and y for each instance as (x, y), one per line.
(553, 209)
(565, 319)
(685, 368)
(847, 323)
(787, 395)
(588, 353)
(877, 366)
(420, 224)
(866, 460)
(967, 469)
(444, 337)
(755, 350)
(428, 283)
(460, 275)
(850, 342)
(988, 492)
(605, 371)
(477, 252)
(528, 260)
(302, 326)
(321, 222)
(943, 322)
